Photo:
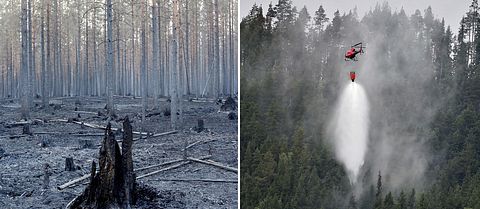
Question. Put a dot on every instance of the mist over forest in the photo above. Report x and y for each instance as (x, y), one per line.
(421, 81)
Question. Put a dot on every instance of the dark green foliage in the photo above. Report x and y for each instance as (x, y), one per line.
(388, 202)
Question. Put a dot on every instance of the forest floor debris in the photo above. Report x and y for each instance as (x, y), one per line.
(190, 185)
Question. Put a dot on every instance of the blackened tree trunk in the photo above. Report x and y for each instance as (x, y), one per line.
(114, 185)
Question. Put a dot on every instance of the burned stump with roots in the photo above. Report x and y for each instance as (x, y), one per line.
(113, 186)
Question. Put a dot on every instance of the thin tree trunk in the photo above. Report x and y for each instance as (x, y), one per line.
(144, 67)
(25, 67)
(155, 52)
(216, 53)
(187, 47)
(109, 77)
(42, 48)
(174, 69)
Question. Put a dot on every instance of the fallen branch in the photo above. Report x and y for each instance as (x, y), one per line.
(158, 165)
(198, 142)
(22, 123)
(213, 163)
(164, 169)
(74, 181)
(103, 128)
(91, 134)
(169, 168)
(70, 134)
(201, 180)
(163, 134)
(86, 112)
(159, 134)
(14, 136)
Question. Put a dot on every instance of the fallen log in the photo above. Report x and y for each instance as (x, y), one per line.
(158, 165)
(95, 126)
(74, 181)
(164, 133)
(85, 112)
(164, 169)
(91, 134)
(201, 180)
(183, 162)
(213, 163)
(14, 136)
(198, 142)
(158, 135)
(66, 133)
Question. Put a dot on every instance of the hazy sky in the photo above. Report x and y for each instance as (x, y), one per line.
(451, 10)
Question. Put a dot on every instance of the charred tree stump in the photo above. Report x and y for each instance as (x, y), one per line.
(26, 130)
(229, 105)
(200, 126)
(69, 165)
(232, 116)
(46, 176)
(114, 185)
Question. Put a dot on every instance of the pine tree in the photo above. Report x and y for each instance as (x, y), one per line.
(388, 202)
(402, 201)
(320, 19)
(378, 195)
(411, 200)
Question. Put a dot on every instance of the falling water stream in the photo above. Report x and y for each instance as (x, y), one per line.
(349, 128)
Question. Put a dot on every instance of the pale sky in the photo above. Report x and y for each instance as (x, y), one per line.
(451, 10)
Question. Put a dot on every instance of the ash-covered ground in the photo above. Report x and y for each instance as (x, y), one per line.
(23, 157)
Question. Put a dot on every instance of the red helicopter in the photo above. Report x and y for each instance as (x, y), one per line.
(351, 54)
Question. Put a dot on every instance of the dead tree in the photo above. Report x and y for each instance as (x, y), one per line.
(114, 185)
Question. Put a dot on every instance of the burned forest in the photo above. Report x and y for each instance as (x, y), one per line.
(394, 126)
(118, 104)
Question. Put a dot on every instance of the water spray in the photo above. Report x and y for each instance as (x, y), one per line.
(349, 129)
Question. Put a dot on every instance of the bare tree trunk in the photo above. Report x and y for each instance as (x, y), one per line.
(132, 61)
(42, 48)
(48, 75)
(174, 69)
(155, 52)
(86, 79)
(181, 66)
(77, 55)
(144, 66)
(232, 52)
(187, 47)
(161, 69)
(25, 67)
(61, 76)
(31, 58)
(95, 81)
(195, 63)
(109, 77)
(118, 74)
(216, 53)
